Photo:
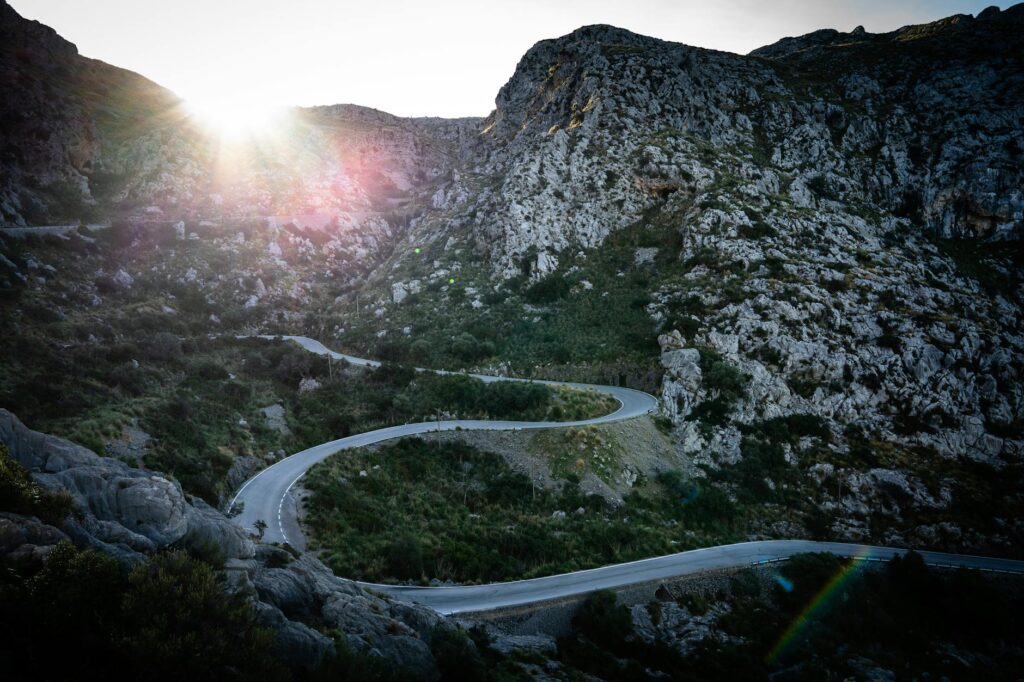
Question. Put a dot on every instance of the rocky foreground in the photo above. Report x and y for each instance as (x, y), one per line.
(130, 513)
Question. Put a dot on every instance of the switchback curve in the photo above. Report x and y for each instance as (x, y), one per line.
(266, 497)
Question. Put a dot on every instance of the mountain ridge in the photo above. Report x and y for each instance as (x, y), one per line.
(812, 254)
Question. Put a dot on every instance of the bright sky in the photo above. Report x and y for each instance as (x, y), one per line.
(412, 57)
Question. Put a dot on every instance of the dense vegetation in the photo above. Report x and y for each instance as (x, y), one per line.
(919, 622)
(561, 326)
(417, 510)
(200, 398)
(170, 619)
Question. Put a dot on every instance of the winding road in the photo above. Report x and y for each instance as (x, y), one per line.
(266, 497)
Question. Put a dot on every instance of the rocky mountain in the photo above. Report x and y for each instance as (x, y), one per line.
(812, 253)
(129, 513)
(599, 126)
(83, 140)
(837, 217)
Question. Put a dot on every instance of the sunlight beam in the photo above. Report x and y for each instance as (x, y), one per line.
(234, 119)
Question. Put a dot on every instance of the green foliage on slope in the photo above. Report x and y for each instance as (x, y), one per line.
(417, 510)
(22, 495)
(905, 617)
(82, 617)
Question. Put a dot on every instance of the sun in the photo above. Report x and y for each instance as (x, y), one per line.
(235, 119)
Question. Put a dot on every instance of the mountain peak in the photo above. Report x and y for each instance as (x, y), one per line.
(18, 33)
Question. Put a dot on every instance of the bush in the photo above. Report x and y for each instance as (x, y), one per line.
(804, 383)
(129, 377)
(389, 350)
(711, 412)
(179, 623)
(760, 461)
(547, 290)
(20, 494)
(169, 619)
(212, 371)
(745, 584)
(505, 398)
(405, 557)
(759, 230)
(163, 346)
(469, 348)
(421, 351)
(293, 366)
(457, 656)
(728, 381)
(791, 428)
(604, 621)
(821, 188)
(890, 341)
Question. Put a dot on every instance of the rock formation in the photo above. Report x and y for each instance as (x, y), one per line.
(129, 513)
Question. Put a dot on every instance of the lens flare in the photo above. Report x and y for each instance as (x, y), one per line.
(848, 569)
(784, 582)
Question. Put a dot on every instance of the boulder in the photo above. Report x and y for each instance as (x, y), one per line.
(137, 510)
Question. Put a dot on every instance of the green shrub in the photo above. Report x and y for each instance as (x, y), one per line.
(714, 412)
(456, 654)
(169, 619)
(890, 341)
(791, 428)
(745, 584)
(405, 557)
(467, 347)
(759, 230)
(163, 346)
(547, 290)
(719, 376)
(804, 383)
(602, 620)
(20, 494)
(821, 188)
(129, 377)
(421, 351)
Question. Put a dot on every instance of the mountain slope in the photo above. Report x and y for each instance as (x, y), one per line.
(783, 221)
(601, 125)
(812, 252)
(83, 140)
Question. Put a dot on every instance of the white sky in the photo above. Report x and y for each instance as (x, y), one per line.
(431, 57)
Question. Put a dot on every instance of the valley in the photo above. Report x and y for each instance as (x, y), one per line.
(365, 375)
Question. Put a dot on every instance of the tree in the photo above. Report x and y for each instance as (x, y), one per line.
(261, 528)
(604, 621)
(457, 657)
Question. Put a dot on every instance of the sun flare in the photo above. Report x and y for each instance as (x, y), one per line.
(236, 119)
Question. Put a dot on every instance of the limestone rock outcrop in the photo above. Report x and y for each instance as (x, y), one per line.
(128, 510)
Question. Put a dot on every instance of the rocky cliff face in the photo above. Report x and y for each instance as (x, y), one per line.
(123, 511)
(597, 129)
(837, 216)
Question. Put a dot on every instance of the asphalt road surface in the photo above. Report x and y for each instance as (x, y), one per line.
(266, 497)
